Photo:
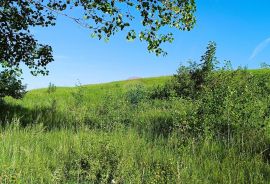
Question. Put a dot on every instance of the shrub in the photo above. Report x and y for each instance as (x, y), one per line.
(78, 95)
(51, 88)
(161, 91)
(233, 103)
(111, 112)
(161, 118)
(10, 85)
(136, 94)
(190, 80)
(98, 164)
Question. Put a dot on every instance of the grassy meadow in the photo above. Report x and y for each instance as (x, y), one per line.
(155, 130)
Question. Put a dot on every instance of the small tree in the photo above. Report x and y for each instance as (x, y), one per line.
(10, 85)
(189, 80)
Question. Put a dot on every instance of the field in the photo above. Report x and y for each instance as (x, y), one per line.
(140, 131)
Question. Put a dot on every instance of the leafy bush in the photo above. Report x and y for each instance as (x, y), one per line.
(162, 118)
(136, 93)
(161, 91)
(111, 112)
(10, 85)
(190, 80)
(234, 103)
(231, 102)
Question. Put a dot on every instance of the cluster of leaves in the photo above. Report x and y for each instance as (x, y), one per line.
(136, 94)
(105, 18)
(17, 44)
(234, 103)
(10, 85)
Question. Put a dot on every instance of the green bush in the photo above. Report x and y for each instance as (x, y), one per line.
(233, 103)
(162, 118)
(161, 92)
(10, 85)
(190, 80)
(51, 88)
(136, 93)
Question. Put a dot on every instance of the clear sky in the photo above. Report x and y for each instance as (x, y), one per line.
(241, 29)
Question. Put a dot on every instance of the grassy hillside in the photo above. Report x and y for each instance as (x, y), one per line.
(92, 93)
(140, 131)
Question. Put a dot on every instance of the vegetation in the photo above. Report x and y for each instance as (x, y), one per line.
(10, 85)
(206, 124)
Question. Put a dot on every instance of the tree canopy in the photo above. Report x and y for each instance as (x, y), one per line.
(103, 19)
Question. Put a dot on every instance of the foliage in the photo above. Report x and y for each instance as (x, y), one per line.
(17, 44)
(190, 80)
(229, 101)
(136, 93)
(164, 91)
(162, 118)
(10, 85)
(51, 88)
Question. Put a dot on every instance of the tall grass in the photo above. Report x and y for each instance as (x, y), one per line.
(32, 155)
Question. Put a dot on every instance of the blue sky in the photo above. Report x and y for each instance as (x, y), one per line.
(240, 28)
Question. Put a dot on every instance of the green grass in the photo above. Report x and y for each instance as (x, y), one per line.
(91, 93)
(115, 133)
(63, 156)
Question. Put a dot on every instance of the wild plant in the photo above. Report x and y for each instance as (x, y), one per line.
(51, 88)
